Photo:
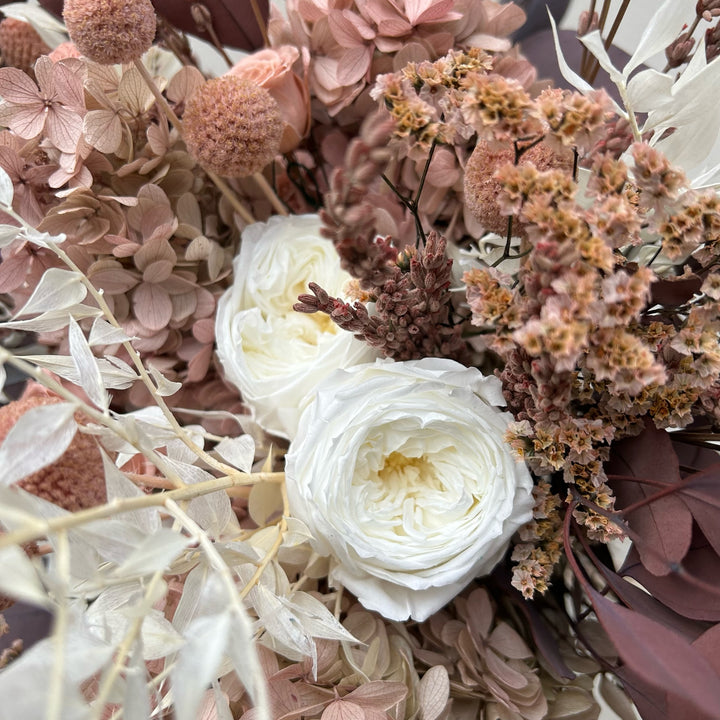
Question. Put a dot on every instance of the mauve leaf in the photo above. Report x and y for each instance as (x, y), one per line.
(17, 88)
(103, 130)
(63, 128)
(433, 693)
(342, 710)
(506, 640)
(658, 655)
(353, 65)
(152, 306)
(37, 439)
(679, 593)
(663, 526)
(674, 292)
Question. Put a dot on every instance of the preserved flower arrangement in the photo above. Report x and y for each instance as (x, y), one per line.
(375, 378)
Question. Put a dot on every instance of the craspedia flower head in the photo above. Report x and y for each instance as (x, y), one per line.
(481, 187)
(232, 126)
(110, 31)
(20, 45)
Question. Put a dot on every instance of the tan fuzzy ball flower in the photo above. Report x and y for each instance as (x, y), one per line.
(110, 31)
(77, 479)
(20, 45)
(482, 187)
(232, 126)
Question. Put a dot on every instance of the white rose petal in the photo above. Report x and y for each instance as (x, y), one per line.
(274, 355)
(401, 473)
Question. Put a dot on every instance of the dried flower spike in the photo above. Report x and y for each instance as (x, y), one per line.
(232, 126)
(110, 31)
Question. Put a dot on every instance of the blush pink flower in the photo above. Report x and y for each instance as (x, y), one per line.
(272, 69)
(54, 106)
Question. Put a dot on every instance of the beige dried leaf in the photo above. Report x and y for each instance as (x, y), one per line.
(184, 83)
(433, 693)
(134, 93)
(265, 501)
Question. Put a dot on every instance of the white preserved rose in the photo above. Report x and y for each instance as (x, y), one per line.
(401, 472)
(274, 355)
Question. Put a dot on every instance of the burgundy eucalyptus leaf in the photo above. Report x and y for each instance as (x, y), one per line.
(640, 601)
(232, 20)
(663, 526)
(650, 701)
(674, 292)
(677, 590)
(659, 656)
(702, 497)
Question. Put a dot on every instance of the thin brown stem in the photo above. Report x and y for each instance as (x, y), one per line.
(270, 194)
(260, 21)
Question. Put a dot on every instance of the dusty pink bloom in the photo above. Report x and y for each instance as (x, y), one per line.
(272, 69)
(77, 479)
(54, 106)
(63, 51)
(233, 126)
(110, 31)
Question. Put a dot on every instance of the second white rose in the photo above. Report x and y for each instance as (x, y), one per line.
(272, 354)
(401, 472)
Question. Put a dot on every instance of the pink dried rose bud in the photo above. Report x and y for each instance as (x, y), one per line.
(77, 479)
(232, 126)
(110, 31)
(63, 51)
(20, 45)
(272, 69)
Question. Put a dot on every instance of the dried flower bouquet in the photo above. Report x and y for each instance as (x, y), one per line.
(374, 378)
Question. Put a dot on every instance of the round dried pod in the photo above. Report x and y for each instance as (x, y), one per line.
(20, 44)
(232, 126)
(481, 187)
(110, 31)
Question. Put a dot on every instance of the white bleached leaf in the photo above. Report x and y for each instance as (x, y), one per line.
(53, 319)
(159, 636)
(594, 43)
(662, 28)
(238, 451)
(103, 333)
(6, 189)
(3, 379)
(8, 234)
(316, 619)
(155, 552)
(646, 87)
(165, 387)
(565, 70)
(42, 239)
(87, 367)
(119, 487)
(244, 657)
(58, 289)
(19, 579)
(136, 703)
(190, 602)
(197, 662)
(38, 438)
(114, 539)
(280, 622)
(114, 374)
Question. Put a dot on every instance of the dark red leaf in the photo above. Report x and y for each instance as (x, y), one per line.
(233, 20)
(677, 590)
(659, 656)
(663, 526)
(649, 700)
(702, 497)
(709, 645)
(674, 292)
(637, 599)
